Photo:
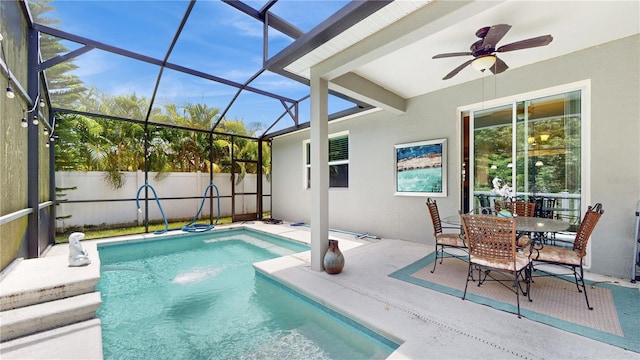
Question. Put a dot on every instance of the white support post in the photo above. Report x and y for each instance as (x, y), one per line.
(319, 171)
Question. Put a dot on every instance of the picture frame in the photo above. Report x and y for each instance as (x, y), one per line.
(421, 168)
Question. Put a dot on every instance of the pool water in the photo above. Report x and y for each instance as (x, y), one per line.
(198, 297)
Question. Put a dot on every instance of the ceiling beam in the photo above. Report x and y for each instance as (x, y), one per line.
(355, 86)
(342, 20)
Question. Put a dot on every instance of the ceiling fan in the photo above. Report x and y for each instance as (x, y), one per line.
(484, 50)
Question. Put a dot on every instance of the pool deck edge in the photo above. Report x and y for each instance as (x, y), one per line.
(428, 324)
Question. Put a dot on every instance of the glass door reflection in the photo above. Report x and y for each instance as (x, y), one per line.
(529, 150)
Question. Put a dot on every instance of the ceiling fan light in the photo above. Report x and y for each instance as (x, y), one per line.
(483, 63)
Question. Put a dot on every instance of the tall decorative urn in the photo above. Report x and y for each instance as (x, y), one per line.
(333, 258)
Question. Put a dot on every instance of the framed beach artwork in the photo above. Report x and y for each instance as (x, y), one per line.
(421, 168)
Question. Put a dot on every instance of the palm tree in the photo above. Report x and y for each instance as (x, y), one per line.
(75, 133)
(192, 147)
(66, 89)
(107, 145)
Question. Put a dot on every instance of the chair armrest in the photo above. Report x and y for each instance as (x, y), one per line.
(526, 242)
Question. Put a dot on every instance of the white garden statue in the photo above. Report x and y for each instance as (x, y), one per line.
(504, 191)
(77, 255)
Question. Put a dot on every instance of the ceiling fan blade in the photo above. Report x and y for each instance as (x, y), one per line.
(494, 35)
(499, 66)
(457, 70)
(525, 44)
(446, 55)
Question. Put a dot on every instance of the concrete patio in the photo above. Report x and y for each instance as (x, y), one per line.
(427, 323)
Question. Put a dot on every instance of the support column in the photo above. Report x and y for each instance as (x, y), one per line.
(52, 183)
(33, 148)
(259, 174)
(319, 171)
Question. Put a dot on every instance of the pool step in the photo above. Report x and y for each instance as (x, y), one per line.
(36, 281)
(45, 293)
(49, 315)
(81, 340)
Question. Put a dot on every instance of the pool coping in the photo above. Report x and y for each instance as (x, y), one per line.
(424, 322)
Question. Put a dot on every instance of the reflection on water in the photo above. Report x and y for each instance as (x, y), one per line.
(196, 274)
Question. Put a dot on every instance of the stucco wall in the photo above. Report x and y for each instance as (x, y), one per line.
(368, 205)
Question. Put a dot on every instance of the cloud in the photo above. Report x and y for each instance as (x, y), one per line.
(248, 28)
(92, 63)
(275, 83)
(238, 75)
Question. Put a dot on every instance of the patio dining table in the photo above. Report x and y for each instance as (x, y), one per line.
(524, 224)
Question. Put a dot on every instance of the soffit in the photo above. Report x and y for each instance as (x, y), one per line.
(393, 48)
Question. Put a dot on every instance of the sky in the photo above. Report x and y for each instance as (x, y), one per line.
(217, 40)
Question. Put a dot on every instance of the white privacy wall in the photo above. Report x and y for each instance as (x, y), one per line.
(93, 186)
(369, 206)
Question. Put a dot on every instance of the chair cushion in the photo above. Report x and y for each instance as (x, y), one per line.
(557, 254)
(524, 241)
(450, 239)
(521, 262)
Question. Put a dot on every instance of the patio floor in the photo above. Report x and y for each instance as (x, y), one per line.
(428, 323)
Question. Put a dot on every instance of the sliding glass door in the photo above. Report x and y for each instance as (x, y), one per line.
(528, 150)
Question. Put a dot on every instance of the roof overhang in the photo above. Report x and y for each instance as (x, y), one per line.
(383, 56)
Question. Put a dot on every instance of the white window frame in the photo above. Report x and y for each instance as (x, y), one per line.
(307, 167)
(584, 87)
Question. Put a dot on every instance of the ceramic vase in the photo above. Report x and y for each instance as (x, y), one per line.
(333, 258)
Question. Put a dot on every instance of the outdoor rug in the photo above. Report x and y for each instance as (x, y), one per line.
(556, 302)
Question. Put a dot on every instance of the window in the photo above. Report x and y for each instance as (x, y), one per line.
(338, 161)
(530, 149)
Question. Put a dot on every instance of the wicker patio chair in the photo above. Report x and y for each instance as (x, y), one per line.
(483, 200)
(520, 208)
(444, 240)
(544, 209)
(571, 257)
(492, 247)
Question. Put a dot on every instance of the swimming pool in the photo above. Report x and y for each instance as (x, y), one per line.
(198, 297)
